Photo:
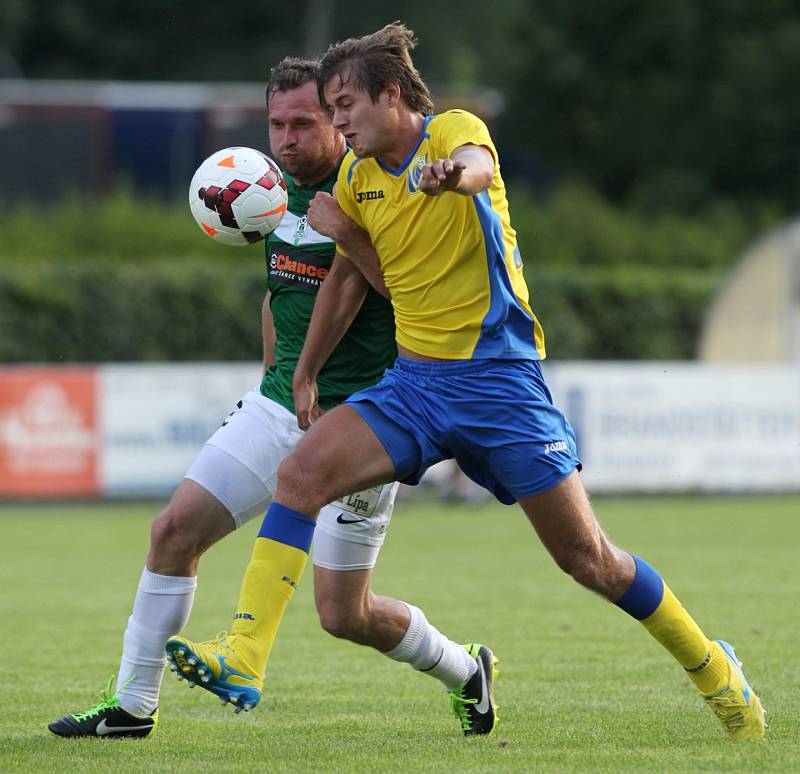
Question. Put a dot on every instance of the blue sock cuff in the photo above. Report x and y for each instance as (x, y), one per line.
(644, 595)
(283, 525)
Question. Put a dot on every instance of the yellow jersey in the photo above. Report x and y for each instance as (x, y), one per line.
(451, 262)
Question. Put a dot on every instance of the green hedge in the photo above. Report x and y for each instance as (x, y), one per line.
(575, 227)
(201, 310)
(122, 227)
(624, 313)
(128, 280)
(91, 312)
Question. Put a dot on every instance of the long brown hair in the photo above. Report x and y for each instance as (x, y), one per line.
(377, 60)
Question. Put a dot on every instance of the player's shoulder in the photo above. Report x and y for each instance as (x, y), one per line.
(350, 167)
(453, 118)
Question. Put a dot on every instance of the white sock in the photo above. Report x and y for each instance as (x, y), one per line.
(161, 609)
(428, 650)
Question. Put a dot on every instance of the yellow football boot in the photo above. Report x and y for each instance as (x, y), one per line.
(736, 704)
(216, 666)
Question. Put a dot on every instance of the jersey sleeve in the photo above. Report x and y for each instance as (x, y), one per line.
(344, 193)
(455, 128)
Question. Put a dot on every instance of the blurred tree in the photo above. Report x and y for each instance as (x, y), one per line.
(317, 25)
(151, 40)
(665, 104)
(147, 40)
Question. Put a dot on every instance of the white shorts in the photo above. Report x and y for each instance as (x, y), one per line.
(239, 466)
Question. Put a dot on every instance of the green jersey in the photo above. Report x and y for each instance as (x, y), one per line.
(298, 260)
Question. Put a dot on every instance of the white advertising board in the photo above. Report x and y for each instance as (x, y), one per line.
(655, 427)
(155, 418)
(641, 427)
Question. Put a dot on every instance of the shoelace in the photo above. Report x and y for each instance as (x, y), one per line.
(221, 640)
(108, 699)
(460, 709)
(720, 706)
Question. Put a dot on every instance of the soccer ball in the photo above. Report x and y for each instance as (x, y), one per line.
(238, 196)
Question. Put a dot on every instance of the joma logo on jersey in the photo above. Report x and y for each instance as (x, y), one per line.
(245, 616)
(366, 196)
(555, 446)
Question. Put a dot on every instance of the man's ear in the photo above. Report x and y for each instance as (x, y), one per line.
(392, 92)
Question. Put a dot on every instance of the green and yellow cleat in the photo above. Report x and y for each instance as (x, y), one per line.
(736, 704)
(107, 720)
(216, 666)
(473, 702)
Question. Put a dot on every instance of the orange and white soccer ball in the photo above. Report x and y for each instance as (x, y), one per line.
(238, 196)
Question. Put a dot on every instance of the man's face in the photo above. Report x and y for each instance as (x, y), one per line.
(301, 135)
(363, 123)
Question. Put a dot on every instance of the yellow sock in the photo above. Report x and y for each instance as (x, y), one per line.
(650, 601)
(276, 566)
(676, 630)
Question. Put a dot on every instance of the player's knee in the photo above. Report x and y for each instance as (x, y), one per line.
(594, 566)
(173, 534)
(340, 622)
(301, 480)
(584, 563)
(586, 571)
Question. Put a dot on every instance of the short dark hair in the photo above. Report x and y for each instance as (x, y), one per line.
(377, 60)
(291, 73)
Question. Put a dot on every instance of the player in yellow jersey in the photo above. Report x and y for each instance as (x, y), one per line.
(467, 383)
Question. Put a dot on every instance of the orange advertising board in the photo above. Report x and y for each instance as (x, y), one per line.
(49, 434)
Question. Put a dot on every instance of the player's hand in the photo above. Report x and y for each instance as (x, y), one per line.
(306, 402)
(325, 215)
(441, 175)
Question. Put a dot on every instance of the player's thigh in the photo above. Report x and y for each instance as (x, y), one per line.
(505, 432)
(564, 520)
(194, 516)
(239, 463)
(339, 454)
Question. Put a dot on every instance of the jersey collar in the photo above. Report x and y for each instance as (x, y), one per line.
(397, 171)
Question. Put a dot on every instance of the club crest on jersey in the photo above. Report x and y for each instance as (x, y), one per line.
(366, 196)
(300, 230)
(414, 174)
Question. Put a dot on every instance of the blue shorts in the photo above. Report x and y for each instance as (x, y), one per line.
(495, 417)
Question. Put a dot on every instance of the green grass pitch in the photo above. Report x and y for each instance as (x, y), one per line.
(582, 686)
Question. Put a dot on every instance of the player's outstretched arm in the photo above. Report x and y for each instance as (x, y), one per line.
(468, 171)
(338, 302)
(326, 216)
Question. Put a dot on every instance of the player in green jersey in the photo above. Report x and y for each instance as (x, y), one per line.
(233, 477)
